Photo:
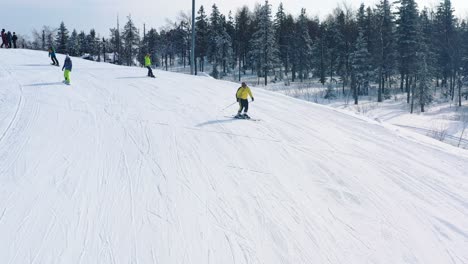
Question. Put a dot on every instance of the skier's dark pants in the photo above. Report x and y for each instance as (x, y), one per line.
(54, 60)
(150, 71)
(4, 44)
(14, 44)
(243, 104)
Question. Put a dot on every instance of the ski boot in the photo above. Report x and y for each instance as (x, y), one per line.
(239, 116)
(245, 116)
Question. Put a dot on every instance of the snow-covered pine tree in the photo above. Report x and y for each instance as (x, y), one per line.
(179, 41)
(264, 47)
(163, 50)
(82, 43)
(457, 62)
(319, 57)
(284, 28)
(183, 37)
(61, 41)
(290, 26)
(215, 31)
(105, 49)
(201, 27)
(93, 43)
(243, 36)
(228, 61)
(360, 65)
(302, 46)
(444, 40)
(422, 93)
(219, 44)
(152, 44)
(464, 59)
(362, 57)
(74, 44)
(43, 39)
(343, 47)
(424, 82)
(143, 47)
(130, 39)
(48, 36)
(333, 40)
(116, 43)
(186, 25)
(372, 36)
(407, 39)
(385, 47)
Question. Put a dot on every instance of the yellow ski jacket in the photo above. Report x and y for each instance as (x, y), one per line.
(147, 61)
(243, 93)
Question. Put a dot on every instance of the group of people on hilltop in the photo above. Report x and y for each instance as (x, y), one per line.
(8, 39)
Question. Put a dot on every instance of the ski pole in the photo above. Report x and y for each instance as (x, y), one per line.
(228, 106)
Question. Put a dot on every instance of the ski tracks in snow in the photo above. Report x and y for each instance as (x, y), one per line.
(136, 170)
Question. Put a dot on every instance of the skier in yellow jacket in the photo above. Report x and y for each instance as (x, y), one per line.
(242, 95)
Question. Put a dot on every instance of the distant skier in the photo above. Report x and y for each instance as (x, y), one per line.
(14, 38)
(9, 39)
(53, 57)
(148, 66)
(242, 95)
(67, 66)
(4, 39)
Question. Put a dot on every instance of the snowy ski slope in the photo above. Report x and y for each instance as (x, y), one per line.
(119, 168)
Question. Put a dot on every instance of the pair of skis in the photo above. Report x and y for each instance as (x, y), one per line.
(242, 118)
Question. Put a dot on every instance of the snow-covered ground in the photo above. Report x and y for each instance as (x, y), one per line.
(443, 119)
(119, 168)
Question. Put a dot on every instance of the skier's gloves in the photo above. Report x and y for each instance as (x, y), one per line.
(238, 99)
(253, 99)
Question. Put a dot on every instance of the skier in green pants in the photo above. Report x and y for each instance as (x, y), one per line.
(148, 65)
(67, 66)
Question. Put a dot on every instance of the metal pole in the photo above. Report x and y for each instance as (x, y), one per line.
(192, 53)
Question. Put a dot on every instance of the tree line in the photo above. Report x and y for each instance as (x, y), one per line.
(387, 47)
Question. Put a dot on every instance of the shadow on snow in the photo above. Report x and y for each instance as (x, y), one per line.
(44, 84)
(212, 122)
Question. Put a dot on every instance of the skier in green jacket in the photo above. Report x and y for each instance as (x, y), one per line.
(148, 66)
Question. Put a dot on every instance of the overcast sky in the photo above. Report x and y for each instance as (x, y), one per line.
(24, 15)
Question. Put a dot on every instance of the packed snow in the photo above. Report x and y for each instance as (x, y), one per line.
(443, 121)
(121, 168)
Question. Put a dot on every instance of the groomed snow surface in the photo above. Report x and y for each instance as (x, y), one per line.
(120, 168)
